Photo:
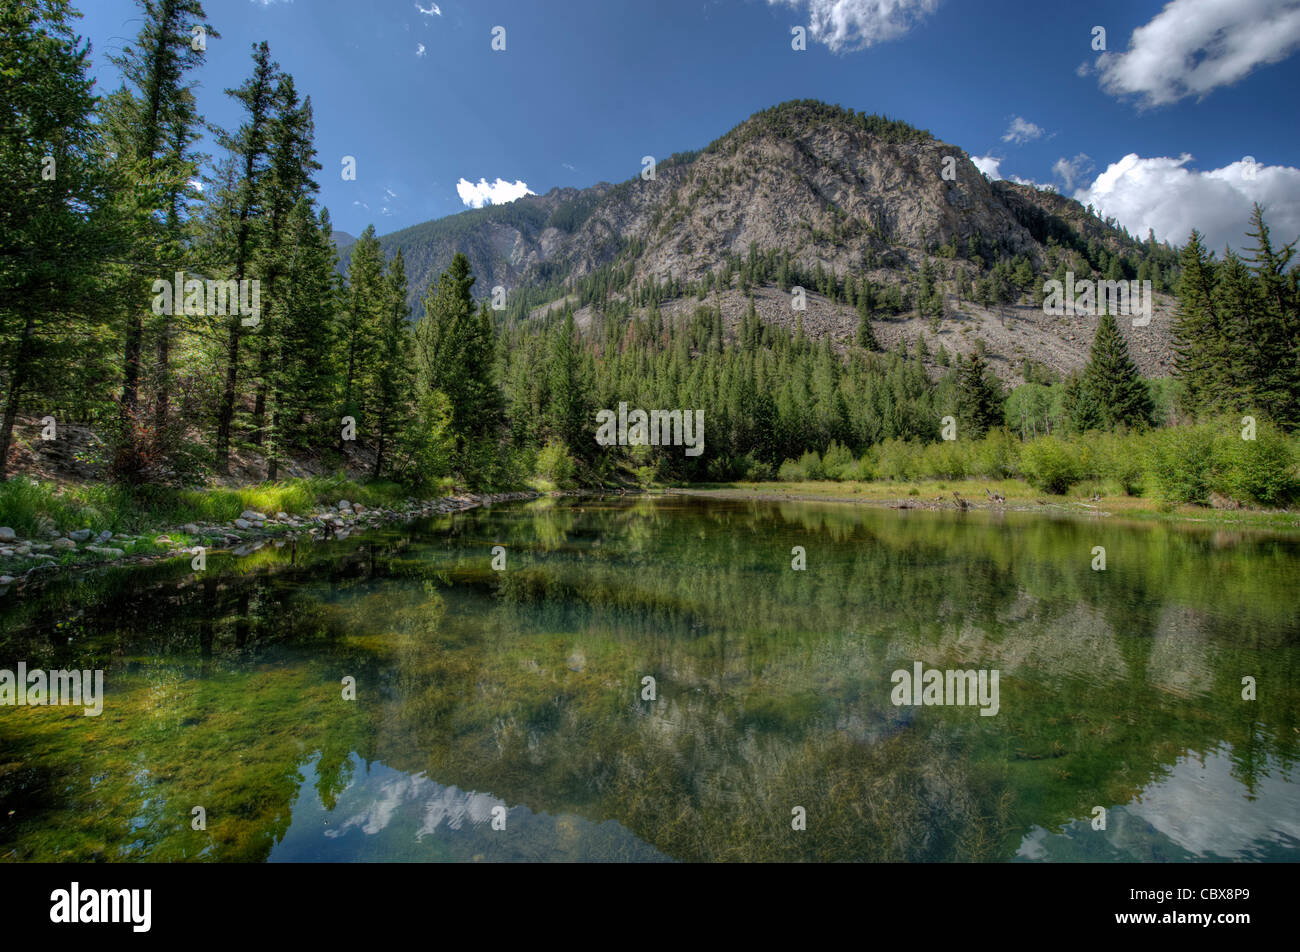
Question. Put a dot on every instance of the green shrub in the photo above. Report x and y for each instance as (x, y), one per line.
(837, 462)
(811, 466)
(947, 459)
(1120, 459)
(555, 465)
(1180, 464)
(1050, 465)
(751, 470)
(898, 460)
(997, 456)
(1262, 470)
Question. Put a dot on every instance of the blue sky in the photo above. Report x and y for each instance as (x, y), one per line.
(585, 88)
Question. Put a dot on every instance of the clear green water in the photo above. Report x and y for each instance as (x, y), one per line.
(521, 690)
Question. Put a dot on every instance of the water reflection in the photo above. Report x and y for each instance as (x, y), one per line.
(522, 689)
(1199, 811)
(386, 815)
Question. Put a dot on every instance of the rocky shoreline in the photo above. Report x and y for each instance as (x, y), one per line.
(242, 536)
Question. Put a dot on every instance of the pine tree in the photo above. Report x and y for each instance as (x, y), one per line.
(151, 123)
(866, 334)
(57, 231)
(1199, 344)
(454, 355)
(393, 373)
(359, 329)
(980, 398)
(1112, 383)
(240, 225)
(290, 177)
(1275, 334)
(300, 379)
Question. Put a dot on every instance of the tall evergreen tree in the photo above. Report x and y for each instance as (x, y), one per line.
(56, 228)
(240, 212)
(290, 177)
(980, 398)
(1112, 382)
(151, 123)
(1275, 334)
(1199, 344)
(359, 330)
(454, 355)
(299, 377)
(392, 371)
(568, 407)
(866, 334)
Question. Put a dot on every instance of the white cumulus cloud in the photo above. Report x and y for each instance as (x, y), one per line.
(496, 193)
(1021, 131)
(419, 49)
(1192, 47)
(1072, 170)
(433, 10)
(988, 165)
(1164, 195)
(991, 166)
(848, 25)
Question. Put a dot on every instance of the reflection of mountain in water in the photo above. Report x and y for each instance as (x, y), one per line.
(389, 815)
(1200, 811)
(773, 692)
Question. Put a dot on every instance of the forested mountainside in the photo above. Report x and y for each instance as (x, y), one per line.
(810, 194)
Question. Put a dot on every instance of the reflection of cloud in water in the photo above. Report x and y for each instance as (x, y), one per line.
(455, 806)
(1205, 810)
(386, 815)
(1199, 811)
(440, 803)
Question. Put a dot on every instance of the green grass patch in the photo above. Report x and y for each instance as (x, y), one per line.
(27, 506)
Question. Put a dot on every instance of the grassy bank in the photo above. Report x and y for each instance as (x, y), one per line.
(1019, 495)
(30, 506)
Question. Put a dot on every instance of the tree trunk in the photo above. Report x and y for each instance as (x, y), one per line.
(131, 365)
(226, 411)
(163, 395)
(17, 380)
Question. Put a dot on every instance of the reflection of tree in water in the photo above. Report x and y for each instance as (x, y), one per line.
(773, 684)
